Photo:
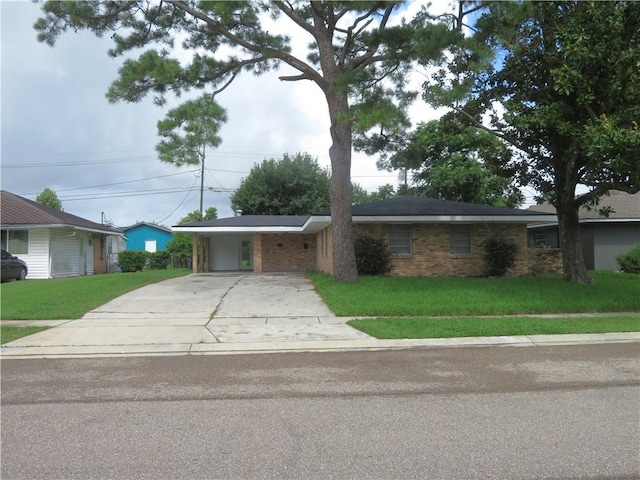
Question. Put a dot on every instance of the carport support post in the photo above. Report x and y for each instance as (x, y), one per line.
(195, 261)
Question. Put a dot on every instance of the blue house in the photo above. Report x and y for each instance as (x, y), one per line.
(147, 236)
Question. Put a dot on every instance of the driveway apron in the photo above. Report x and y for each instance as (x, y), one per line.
(199, 313)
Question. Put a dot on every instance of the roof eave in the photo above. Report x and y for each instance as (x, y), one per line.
(454, 218)
(24, 226)
(264, 229)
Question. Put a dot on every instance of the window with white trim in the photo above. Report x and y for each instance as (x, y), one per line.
(16, 242)
(460, 239)
(400, 239)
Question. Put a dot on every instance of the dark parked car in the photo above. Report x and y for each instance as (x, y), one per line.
(12, 267)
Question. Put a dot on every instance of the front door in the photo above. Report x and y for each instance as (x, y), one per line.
(246, 255)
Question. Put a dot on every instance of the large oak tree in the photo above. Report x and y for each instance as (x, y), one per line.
(356, 57)
(563, 88)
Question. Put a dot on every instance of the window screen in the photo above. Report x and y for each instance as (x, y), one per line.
(400, 239)
(460, 239)
(16, 242)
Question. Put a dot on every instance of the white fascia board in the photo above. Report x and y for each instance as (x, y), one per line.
(39, 226)
(96, 230)
(609, 220)
(590, 220)
(270, 229)
(455, 219)
(316, 223)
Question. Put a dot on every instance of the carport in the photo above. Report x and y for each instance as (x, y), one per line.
(258, 243)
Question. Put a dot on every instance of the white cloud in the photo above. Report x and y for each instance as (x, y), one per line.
(54, 112)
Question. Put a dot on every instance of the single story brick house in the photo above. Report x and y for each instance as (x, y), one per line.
(602, 238)
(52, 242)
(427, 237)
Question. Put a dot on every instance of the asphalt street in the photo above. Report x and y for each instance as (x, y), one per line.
(474, 412)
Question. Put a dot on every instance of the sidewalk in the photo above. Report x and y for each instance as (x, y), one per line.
(231, 314)
(243, 336)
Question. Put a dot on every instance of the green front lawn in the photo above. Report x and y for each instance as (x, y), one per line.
(398, 328)
(424, 297)
(70, 298)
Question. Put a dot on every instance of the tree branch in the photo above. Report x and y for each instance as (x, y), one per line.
(291, 13)
(279, 54)
(294, 78)
(497, 133)
(368, 57)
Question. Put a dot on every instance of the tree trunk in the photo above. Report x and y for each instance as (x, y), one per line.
(341, 191)
(574, 269)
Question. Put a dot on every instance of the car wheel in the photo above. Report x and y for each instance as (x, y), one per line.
(23, 274)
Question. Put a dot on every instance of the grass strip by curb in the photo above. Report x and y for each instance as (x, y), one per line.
(425, 327)
(9, 333)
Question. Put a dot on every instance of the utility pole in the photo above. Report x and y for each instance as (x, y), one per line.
(202, 179)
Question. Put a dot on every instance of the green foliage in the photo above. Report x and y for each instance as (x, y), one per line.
(49, 198)
(500, 254)
(570, 91)
(132, 260)
(210, 213)
(181, 245)
(563, 89)
(451, 160)
(360, 195)
(630, 261)
(159, 260)
(373, 256)
(188, 129)
(292, 185)
(181, 248)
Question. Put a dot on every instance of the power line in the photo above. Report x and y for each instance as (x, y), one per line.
(180, 204)
(125, 194)
(115, 183)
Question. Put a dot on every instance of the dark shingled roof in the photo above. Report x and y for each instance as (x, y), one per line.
(420, 206)
(252, 221)
(16, 211)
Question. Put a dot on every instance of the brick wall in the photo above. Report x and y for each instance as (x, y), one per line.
(324, 242)
(544, 261)
(281, 252)
(431, 254)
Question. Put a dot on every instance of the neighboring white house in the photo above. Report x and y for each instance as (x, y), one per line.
(54, 243)
(603, 238)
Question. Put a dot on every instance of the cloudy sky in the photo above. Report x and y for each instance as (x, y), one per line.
(60, 132)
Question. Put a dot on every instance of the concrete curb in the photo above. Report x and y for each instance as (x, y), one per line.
(94, 351)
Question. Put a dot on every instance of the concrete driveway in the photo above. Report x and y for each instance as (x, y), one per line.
(203, 313)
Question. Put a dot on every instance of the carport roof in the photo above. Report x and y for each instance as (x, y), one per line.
(256, 224)
(252, 221)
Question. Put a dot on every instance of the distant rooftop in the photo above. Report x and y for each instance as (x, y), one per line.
(622, 204)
